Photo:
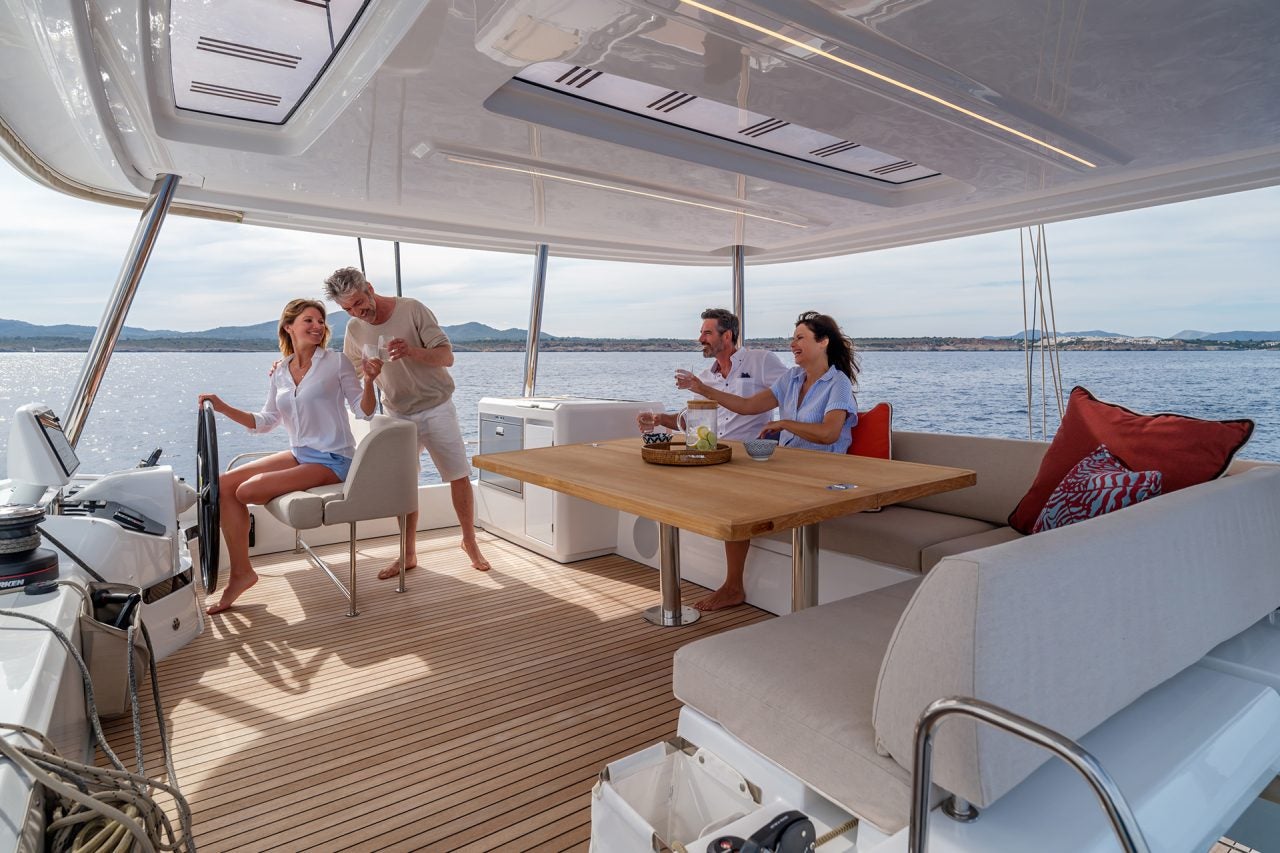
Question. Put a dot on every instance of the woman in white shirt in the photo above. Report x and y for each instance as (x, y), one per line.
(308, 390)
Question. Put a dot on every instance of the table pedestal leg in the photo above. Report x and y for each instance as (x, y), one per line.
(804, 567)
(669, 613)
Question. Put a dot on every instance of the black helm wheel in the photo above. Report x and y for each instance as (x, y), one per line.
(207, 522)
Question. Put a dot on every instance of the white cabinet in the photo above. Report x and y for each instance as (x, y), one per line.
(546, 522)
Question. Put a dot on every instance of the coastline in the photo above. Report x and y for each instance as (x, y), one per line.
(922, 344)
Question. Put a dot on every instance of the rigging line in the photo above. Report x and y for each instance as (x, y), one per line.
(1044, 345)
(1026, 346)
(328, 19)
(1053, 318)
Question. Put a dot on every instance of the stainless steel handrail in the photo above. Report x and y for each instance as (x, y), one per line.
(117, 307)
(1113, 802)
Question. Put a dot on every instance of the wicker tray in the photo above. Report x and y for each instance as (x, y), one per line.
(666, 454)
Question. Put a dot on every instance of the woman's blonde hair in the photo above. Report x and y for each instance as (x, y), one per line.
(293, 311)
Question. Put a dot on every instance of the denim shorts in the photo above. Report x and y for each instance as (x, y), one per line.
(340, 465)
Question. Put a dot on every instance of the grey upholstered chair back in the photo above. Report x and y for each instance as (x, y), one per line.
(383, 480)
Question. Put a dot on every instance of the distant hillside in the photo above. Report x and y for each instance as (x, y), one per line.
(1192, 335)
(1034, 334)
(259, 332)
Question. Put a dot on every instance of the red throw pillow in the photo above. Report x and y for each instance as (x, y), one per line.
(873, 433)
(1097, 485)
(1186, 451)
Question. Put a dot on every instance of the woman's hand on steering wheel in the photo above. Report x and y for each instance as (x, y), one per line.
(213, 399)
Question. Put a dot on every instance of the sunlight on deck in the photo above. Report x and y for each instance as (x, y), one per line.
(471, 713)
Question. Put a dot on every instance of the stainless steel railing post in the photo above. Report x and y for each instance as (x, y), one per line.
(117, 308)
(1113, 802)
(739, 292)
(535, 319)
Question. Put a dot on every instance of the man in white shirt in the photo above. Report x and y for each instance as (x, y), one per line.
(743, 372)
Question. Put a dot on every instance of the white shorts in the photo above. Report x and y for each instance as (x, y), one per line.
(440, 435)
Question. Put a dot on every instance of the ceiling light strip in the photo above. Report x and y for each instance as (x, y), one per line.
(537, 173)
(862, 69)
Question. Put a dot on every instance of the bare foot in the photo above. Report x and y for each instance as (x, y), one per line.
(721, 599)
(478, 562)
(236, 586)
(393, 570)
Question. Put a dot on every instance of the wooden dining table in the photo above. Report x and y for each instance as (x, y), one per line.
(793, 490)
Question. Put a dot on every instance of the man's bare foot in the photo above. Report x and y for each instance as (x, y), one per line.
(478, 562)
(721, 599)
(236, 586)
(393, 570)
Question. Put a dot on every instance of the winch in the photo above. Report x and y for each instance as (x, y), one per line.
(22, 560)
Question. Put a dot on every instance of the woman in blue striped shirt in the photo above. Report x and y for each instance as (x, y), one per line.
(815, 402)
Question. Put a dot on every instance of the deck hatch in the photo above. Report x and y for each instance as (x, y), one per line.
(724, 121)
(244, 51)
(246, 60)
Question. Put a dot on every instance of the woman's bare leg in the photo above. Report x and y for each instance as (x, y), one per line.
(234, 518)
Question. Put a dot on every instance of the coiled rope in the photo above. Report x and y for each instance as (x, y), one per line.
(103, 810)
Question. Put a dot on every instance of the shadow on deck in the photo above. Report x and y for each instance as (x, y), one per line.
(471, 713)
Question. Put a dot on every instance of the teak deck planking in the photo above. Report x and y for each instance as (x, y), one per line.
(474, 712)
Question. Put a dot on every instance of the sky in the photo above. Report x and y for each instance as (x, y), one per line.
(1208, 265)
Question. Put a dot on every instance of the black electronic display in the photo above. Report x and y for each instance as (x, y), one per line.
(57, 439)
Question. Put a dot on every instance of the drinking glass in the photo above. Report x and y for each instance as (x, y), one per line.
(383, 343)
(647, 419)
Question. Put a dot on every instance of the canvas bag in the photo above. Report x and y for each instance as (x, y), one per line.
(104, 650)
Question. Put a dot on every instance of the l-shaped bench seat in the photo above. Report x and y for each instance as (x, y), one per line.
(1066, 627)
(917, 534)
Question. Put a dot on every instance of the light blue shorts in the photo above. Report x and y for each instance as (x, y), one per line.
(340, 465)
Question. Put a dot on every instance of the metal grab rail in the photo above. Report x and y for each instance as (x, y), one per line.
(1122, 818)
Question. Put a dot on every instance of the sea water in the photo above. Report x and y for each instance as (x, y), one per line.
(148, 400)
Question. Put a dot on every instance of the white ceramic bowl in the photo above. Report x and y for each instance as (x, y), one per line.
(760, 449)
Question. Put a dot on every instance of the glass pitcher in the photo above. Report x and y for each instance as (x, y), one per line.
(700, 425)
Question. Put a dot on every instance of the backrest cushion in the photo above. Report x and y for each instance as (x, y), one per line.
(873, 433)
(1069, 626)
(1100, 483)
(1005, 468)
(1185, 450)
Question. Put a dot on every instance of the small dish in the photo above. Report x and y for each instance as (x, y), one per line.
(656, 438)
(760, 449)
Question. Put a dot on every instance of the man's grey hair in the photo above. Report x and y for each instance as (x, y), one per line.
(726, 321)
(345, 283)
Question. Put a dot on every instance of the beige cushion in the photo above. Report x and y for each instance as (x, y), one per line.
(382, 482)
(894, 536)
(303, 510)
(799, 689)
(1006, 468)
(930, 556)
(1068, 626)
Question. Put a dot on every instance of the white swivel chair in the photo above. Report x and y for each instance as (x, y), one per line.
(382, 482)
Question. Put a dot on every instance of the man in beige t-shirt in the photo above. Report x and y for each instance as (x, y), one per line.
(416, 386)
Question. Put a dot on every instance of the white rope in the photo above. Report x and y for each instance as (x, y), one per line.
(101, 809)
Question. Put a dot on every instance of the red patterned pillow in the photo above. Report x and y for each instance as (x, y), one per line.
(873, 433)
(1185, 450)
(1100, 483)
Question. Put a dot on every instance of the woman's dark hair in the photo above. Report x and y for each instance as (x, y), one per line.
(840, 354)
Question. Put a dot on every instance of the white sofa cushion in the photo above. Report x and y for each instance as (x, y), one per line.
(931, 554)
(1006, 468)
(1068, 626)
(798, 689)
(894, 536)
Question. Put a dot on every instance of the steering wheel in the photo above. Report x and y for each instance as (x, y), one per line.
(207, 495)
